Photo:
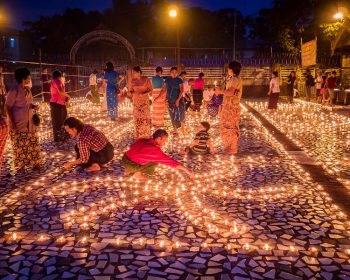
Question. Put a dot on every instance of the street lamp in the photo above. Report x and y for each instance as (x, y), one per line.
(174, 14)
(338, 15)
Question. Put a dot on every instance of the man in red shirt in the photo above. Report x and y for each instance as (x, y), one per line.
(143, 157)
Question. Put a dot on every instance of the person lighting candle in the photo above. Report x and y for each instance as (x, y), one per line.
(93, 148)
(143, 157)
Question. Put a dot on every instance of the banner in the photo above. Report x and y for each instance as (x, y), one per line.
(309, 53)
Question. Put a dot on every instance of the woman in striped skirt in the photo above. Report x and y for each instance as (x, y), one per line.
(158, 99)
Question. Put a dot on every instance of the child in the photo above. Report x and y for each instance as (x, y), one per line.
(201, 143)
(207, 96)
(188, 95)
(214, 106)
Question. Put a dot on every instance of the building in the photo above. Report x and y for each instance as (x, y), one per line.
(9, 43)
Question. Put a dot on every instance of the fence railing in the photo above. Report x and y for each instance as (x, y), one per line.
(77, 77)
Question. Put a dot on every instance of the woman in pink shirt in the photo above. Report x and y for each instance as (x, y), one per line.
(198, 88)
(143, 157)
(58, 100)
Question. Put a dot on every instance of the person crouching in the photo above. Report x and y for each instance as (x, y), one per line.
(143, 157)
(93, 148)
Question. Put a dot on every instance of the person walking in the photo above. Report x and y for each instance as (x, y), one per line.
(158, 109)
(58, 101)
(198, 88)
(331, 85)
(95, 96)
(174, 94)
(309, 83)
(318, 84)
(141, 88)
(93, 148)
(274, 92)
(290, 86)
(24, 140)
(111, 78)
(231, 109)
(324, 90)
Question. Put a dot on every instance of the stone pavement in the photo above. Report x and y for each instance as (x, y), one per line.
(257, 215)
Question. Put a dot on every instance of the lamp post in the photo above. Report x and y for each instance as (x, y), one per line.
(234, 35)
(173, 13)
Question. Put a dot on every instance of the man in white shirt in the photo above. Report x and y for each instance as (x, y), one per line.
(95, 96)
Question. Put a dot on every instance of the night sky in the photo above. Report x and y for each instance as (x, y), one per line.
(30, 9)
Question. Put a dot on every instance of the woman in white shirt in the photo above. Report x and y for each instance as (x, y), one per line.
(274, 92)
(318, 82)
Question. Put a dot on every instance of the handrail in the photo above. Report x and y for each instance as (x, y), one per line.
(72, 91)
(41, 63)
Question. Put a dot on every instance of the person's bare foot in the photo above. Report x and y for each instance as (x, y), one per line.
(139, 176)
(92, 168)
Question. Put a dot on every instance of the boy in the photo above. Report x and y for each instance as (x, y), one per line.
(201, 143)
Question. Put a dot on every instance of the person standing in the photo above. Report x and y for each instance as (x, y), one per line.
(64, 80)
(111, 78)
(58, 100)
(95, 96)
(174, 94)
(158, 98)
(318, 83)
(93, 148)
(231, 109)
(198, 88)
(188, 93)
(4, 130)
(309, 83)
(274, 92)
(331, 85)
(290, 86)
(24, 140)
(140, 89)
(46, 83)
(2, 92)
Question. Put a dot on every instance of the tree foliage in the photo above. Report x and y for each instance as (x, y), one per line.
(143, 23)
(146, 23)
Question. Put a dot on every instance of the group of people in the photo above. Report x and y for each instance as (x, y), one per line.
(324, 83)
(174, 93)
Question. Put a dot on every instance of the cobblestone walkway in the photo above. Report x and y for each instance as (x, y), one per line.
(257, 215)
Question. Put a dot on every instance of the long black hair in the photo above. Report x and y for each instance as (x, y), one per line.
(21, 74)
(72, 122)
(236, 67)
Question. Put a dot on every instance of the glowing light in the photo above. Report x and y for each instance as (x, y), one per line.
(338, 15)
(173, 13)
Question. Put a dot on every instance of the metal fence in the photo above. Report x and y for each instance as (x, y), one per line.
(77, 77)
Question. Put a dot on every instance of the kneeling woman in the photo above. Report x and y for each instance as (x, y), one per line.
(93, 148)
